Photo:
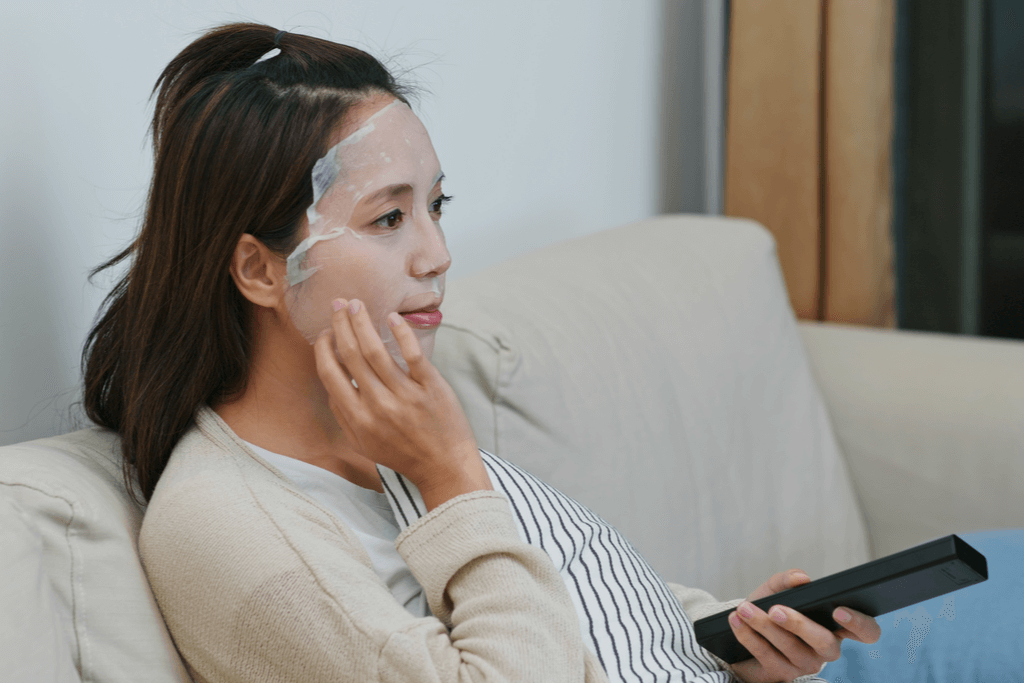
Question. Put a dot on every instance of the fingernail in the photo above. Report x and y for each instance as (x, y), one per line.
(747, 610)
(842, 615)
(394, 319)
(338, 304)
(353, 306)
(801, 576)
(777, 614)
(734, 619)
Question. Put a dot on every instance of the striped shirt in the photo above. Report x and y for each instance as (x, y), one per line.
(628, 616)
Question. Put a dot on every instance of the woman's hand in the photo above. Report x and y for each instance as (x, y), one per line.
(796, 646)
(413, 422)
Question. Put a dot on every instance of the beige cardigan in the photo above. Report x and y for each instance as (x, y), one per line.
(259, 583)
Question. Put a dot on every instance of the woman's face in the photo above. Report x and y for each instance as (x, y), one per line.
(372, 232)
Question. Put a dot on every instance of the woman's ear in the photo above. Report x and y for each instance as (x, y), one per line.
(258, 273)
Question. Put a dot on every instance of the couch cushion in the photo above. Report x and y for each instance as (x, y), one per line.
(68, 489)
(34, 644)
(654, 373)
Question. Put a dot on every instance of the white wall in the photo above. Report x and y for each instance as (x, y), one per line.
(549, 117)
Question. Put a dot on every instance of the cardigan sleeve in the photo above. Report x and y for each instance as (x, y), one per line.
(503, 600)
(698, 604)
(257, 583)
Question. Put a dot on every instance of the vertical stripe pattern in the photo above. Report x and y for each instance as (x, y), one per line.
(628, 616)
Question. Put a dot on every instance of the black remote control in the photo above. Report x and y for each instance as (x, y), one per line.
(883, 585)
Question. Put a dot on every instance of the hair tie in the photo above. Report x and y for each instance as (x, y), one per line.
(277, 38)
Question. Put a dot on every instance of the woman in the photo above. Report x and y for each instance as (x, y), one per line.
(269, 348)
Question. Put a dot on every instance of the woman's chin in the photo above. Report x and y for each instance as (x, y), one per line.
(426, 339)
(424, 336)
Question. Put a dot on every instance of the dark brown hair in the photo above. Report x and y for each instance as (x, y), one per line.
(235, 141)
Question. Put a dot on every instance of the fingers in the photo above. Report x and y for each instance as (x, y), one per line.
(796, 641)
(769, 659)
(859, 626)
(332, 374)
(346, 343)
(780, 582)
(420, 368)
(787, 644)
(796, 577)
(371, 345)
(814, 635)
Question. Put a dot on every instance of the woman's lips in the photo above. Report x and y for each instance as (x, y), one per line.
(423, 319)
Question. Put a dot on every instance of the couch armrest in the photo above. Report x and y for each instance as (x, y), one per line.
(931, 425)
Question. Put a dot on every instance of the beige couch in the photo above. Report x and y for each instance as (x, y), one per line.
(656, 373)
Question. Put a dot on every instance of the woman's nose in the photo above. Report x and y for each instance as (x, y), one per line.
(431, 257)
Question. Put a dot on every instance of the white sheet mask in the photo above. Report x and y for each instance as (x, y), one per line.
(387, 163)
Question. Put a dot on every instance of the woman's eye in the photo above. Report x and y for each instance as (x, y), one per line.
(390, 220)
(437, 205)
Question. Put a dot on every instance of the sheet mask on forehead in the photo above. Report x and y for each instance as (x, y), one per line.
(391, 148)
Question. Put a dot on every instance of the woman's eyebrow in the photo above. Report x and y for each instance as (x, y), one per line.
(392, 191)
(389, 192)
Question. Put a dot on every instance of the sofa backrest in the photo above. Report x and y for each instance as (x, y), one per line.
(68, 494)
(654, 372)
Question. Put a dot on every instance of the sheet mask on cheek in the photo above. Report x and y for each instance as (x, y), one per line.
(345, 255)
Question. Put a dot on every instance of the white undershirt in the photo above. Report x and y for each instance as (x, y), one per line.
(367, 513)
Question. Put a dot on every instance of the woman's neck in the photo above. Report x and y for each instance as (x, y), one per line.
(284, 409)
